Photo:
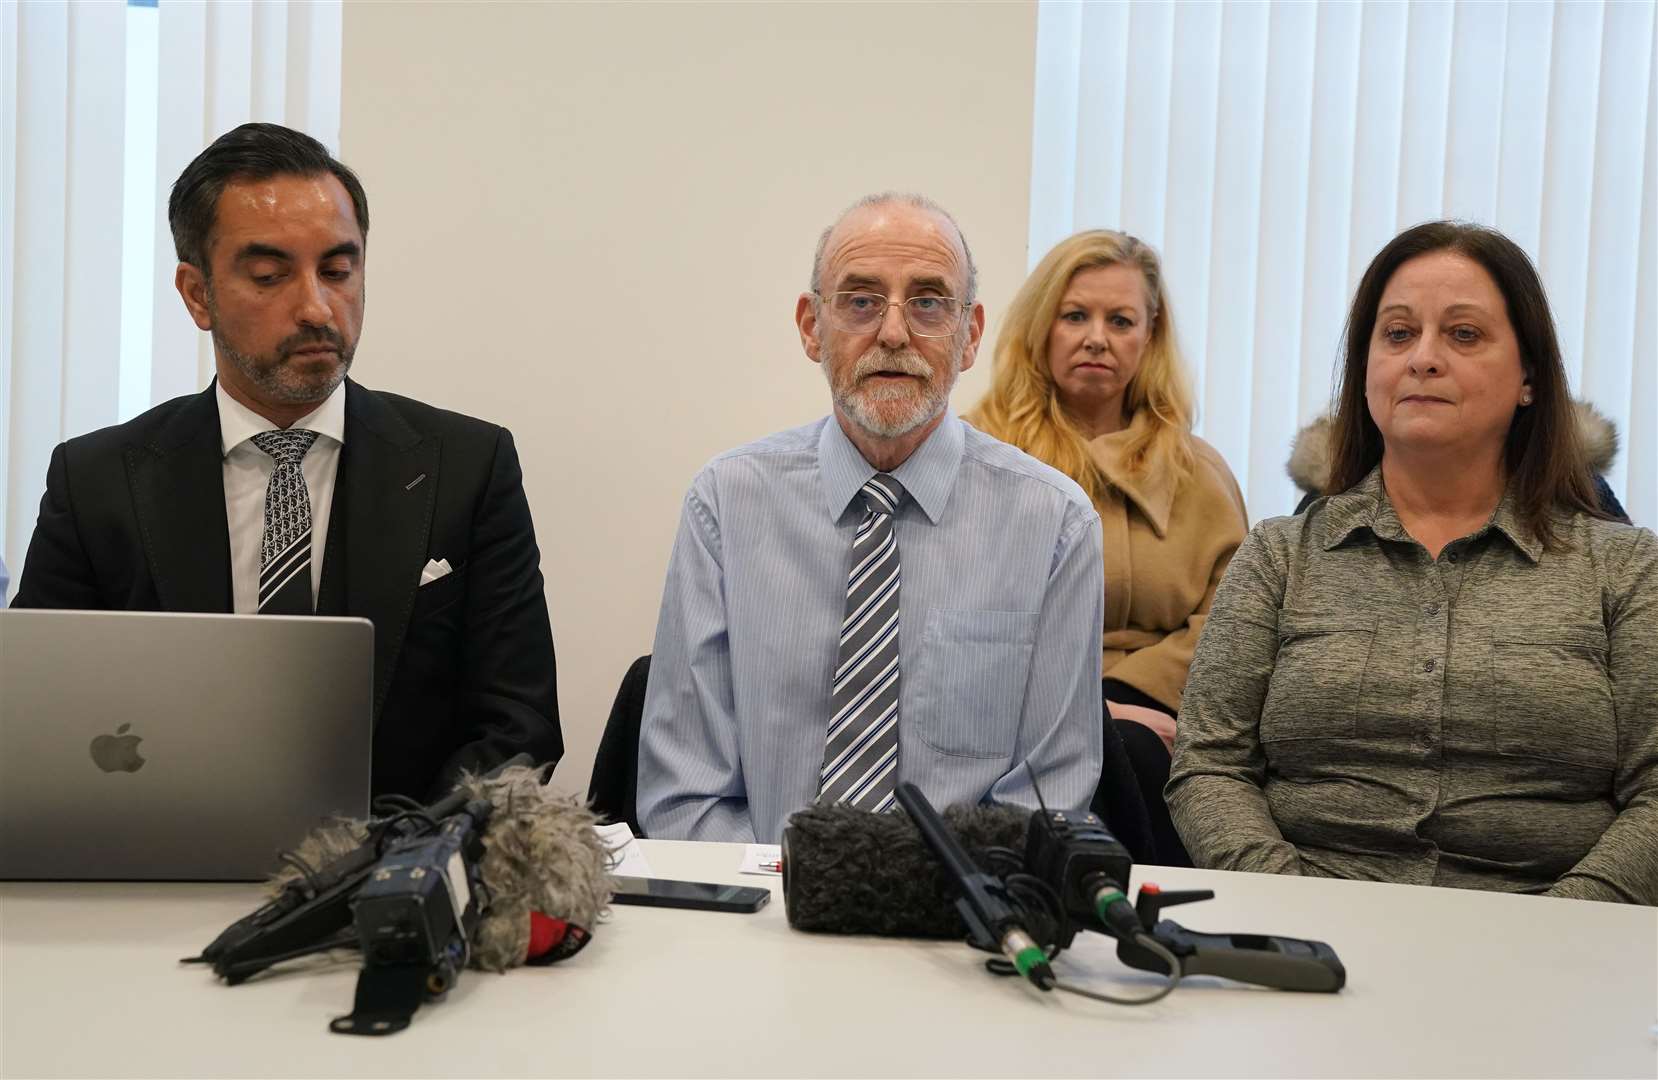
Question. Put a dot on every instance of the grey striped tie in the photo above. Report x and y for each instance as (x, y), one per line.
(860, 756)
(285, 550)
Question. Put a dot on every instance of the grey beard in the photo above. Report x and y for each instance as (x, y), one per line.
(859, 405)
(266, 374)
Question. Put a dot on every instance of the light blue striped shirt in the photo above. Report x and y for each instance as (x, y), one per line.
(1000, 609)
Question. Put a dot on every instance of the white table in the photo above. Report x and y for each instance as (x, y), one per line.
(1440, 983)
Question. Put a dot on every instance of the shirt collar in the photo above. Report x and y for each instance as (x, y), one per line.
(1365, 505)
(929, 474)
(238, 423)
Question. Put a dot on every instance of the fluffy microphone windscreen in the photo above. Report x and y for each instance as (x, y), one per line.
(849, 871)
(541, 853)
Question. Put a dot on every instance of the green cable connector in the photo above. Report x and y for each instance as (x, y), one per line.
(1105, 898)
(1027, 958)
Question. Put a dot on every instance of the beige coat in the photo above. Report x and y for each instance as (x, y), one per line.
(1165, 552)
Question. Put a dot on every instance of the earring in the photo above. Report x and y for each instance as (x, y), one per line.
(1525, 399)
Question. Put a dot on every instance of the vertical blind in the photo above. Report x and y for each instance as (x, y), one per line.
(1268, 151)
(65, 303)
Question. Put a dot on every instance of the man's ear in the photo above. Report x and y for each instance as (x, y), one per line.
(806, 321)
(192, 286)
(975, 331)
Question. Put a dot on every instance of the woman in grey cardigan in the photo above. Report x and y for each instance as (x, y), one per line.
(1444, 671)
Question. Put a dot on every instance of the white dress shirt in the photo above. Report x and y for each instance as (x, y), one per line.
(248, 472)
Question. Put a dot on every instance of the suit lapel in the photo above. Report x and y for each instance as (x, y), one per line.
(178, 494)
(389, 472)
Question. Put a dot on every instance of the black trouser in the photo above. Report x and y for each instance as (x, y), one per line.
(1149, 759)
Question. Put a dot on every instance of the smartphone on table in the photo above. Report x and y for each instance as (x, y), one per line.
(700, 895)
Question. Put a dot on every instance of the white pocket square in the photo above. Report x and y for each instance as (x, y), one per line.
(435, 569)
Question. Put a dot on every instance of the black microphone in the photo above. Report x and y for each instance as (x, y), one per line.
(849, 871)
(1087, 868)
(543, 868)
(985, 905)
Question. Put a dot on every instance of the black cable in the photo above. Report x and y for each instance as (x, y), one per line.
(1042, 913)
(384, 828)
(394, 803)
(1145, 941)
(306, 870)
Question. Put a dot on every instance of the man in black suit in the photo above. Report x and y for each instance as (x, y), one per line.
(286, 488)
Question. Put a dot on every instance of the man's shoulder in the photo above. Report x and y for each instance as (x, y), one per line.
(783, 450)
(1010, 467)
(142, 430)
(795, 440)
(384, 409)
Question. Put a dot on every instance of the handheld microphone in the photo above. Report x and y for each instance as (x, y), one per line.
(414, 917)
(1088, 870)
(544, 871)
(850, 871)
(984, 904)
(307, 902)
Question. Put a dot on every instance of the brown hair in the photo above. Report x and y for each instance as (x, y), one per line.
(1543, 455)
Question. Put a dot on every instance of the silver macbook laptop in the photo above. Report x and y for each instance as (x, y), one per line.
(145, 746)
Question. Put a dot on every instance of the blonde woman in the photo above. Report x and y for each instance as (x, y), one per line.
(1088, 378)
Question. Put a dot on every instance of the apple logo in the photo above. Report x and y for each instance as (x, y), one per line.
(117, 752)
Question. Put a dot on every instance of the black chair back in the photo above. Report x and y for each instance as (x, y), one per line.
(613, 789)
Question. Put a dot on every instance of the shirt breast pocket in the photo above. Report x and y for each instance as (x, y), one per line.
(970, 680)
(1552, 694)
(1318, 677)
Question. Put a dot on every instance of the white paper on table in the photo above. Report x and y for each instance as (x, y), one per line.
(762, 859)
(624, 848)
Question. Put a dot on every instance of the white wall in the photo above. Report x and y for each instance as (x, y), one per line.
(590, 223)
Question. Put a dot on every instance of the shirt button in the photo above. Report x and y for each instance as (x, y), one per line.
(1433, 609)
(1428, 665)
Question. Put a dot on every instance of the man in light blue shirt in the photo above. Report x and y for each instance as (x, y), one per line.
(885, 594)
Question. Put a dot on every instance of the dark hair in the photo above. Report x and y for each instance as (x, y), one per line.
(1543, 453)
(254, 152)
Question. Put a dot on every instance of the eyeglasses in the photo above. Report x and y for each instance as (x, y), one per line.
(861, 312)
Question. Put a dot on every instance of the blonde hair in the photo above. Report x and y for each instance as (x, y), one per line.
(1023, 406)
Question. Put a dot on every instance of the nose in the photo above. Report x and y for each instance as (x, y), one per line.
(1425, 359)
(895, 332)
(1094, 339)
(311, 306)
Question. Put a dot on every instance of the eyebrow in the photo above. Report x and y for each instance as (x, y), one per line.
(1454, 309)
(262, 251)
(1113, 309)
(864, 281)
(266, 251)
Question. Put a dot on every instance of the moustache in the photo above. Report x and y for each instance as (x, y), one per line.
(886, 361)
(318, 335)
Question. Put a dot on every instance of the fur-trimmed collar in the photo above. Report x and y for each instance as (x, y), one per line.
(1309, 463)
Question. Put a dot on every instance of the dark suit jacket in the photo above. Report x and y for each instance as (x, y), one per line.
(134, 519)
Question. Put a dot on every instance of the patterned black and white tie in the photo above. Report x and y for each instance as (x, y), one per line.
(285, 550)
(860, 757)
